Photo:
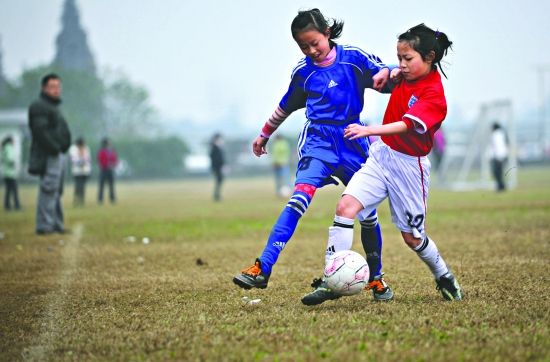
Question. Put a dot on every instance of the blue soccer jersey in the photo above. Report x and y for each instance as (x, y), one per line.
(333, 97)
(333, 94)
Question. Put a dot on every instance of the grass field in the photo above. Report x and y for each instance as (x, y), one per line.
(95, 295)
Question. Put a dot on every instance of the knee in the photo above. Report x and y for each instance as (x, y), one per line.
(348, 207)
(410, 240)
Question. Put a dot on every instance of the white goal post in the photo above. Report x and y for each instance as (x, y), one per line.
(466, 162)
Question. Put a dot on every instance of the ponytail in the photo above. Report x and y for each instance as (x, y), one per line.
(425, 40)
(314, 19)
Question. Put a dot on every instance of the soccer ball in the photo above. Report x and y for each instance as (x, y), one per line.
(346, 272)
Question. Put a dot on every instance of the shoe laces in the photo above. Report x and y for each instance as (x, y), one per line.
(378, 285)
(316, 282)
(253, 270)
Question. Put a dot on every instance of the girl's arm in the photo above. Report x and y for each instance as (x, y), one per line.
(355, 130)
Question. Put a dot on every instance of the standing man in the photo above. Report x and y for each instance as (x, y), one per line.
(108, 160)
(499, 154)
(217, 164)
(51, 138)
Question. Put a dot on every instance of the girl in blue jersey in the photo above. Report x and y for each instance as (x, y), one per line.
(330, 83)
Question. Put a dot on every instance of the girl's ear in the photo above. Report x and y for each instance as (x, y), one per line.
(327, 33)
(430, 57)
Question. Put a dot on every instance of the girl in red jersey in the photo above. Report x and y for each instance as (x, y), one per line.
(398, 166)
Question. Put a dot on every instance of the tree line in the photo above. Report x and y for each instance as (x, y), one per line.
(110, 105)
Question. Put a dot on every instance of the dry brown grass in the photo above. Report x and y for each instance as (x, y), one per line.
(98, 297)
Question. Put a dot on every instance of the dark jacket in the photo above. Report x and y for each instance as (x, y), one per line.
(216, 157)
(49, 130)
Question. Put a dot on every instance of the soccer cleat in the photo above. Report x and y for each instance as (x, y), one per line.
(321, 293)
(252, 277)
(449, 287)
(381, 291)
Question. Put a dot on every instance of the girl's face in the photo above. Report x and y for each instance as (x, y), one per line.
(314, 44)
(412, 66)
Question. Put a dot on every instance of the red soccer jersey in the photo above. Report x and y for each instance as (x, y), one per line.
(422, 106)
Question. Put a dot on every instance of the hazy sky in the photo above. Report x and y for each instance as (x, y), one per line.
(207, 59)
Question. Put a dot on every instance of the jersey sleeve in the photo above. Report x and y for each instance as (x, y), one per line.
(371, 64)
(295, 97)
(428, 111)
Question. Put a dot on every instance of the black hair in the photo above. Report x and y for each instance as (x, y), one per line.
(105, 142)
(7, 140)
(80, 141)
(424, 40)
(48, 77)
(496, 126)
(314, 19)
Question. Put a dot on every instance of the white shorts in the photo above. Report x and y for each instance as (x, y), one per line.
(403, 179)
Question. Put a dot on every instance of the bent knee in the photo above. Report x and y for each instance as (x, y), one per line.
(410, 240)
(348, 206)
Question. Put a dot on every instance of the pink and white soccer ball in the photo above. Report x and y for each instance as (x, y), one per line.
(346, 272)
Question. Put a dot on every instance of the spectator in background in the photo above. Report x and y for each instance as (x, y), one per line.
(438, 149)
(107, 160)
(499, 155)
(280, 156)
(9, 172)
(81, 167)
(217, 163)
(51, 138)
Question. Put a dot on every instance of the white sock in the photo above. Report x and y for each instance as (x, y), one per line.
(340, 237)
(427, 251)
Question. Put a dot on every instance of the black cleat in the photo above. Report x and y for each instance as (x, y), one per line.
(321, 293)
(252, 277)
(449, 287)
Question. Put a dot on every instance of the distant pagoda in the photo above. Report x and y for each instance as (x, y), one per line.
(72, 51)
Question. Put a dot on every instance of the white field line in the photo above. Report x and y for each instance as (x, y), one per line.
(43, 346)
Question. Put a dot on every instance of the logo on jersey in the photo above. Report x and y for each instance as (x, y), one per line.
(279, 245)
(332, 84)
(412, 101)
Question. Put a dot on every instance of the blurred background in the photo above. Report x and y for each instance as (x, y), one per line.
(160, 78)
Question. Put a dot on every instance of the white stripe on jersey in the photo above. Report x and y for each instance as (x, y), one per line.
(301, 64)
(302, 138)
(417, 122)
(305, 81)
(371, 57)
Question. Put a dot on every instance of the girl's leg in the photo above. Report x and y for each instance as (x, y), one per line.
(286, 224)
(312, 173)
(340, 234)
(427, 251)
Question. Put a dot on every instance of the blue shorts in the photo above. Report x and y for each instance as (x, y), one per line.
(325, 154)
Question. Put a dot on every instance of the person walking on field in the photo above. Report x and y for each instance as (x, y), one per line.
(81, 167)
(9, 172)
(51, 138)
(108, 160)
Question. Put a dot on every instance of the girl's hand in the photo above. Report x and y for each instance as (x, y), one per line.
(380, 79)
(258, 146)
(396, 75)
(355, 130)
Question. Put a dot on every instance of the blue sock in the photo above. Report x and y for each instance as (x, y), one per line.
(283, 229)
(371, 238)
